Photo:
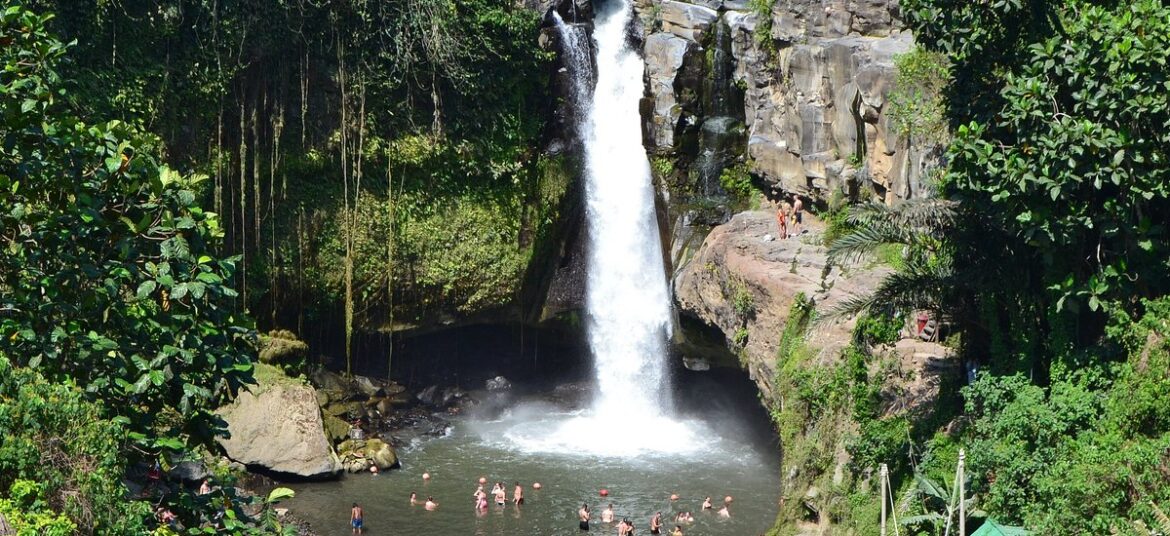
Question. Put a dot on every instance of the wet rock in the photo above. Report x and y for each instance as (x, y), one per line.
(440, 398)
(381, 455)
(499, 383)
(188, 471)
(329, 380)
(366, 386)
(335, 429)
(429, 395)
(358, 455)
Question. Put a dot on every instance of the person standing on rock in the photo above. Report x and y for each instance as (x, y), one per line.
(355, 518)
(782, 219)
(797, 213)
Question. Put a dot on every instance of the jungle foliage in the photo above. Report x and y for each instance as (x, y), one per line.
(335, 156)
(1050, 259)
(329, 128)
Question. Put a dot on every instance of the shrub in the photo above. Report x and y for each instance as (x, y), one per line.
(878, 328)
(50, 435)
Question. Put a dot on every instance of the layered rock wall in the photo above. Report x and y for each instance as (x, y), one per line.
(814, 76)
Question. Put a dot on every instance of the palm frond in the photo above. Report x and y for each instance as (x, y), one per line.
(917, 287)
(921, 214)
(933, 518)
(860, 242)
(1163, 519)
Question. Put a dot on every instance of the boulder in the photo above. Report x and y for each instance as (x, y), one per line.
(358, 455)
(335, 428)
(282, 346)
(279, 428)
(189, 472)
(440, 398)
(381, 454)
(367, 386)
(687, 21)
(499, 383)
(430, 395)
(329, 380)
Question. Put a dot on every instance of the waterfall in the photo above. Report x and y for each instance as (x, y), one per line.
(575, 54)
(628, 304)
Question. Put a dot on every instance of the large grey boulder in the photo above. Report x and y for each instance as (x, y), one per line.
(278, 427)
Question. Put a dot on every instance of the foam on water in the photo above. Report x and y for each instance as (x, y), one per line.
(585, 433)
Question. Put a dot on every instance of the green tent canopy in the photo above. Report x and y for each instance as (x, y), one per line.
(991, 528)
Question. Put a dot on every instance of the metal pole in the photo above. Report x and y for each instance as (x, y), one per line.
(884, 475)
(962, 494)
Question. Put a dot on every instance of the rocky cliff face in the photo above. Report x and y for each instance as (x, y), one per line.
(735, 299)
(743, 281)
(808, 79)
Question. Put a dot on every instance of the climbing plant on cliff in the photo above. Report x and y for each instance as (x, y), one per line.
(916, 100)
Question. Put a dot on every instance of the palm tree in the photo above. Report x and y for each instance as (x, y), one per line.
(940, 502)
(925, 278)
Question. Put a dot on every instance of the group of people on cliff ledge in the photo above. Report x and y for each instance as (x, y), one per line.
(790, 212)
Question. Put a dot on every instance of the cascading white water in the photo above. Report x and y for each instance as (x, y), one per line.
(627, 301)
(626, 295)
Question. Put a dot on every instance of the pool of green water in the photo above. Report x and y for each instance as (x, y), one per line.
(705, 453)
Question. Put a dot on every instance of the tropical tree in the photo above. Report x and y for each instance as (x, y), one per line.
(939, 501)
(917, 232)
(109, 275)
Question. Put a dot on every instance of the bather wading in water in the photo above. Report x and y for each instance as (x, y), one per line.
(583, 515)
(500, 494)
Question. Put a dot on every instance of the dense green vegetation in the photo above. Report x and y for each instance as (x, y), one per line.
(1046, 259)
(330, 129)
(335, 156)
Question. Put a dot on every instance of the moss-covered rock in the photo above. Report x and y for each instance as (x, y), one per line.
(335, 429)
(282, 346)
(358, 455)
